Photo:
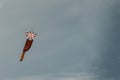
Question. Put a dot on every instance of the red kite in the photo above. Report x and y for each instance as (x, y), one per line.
(30, 36)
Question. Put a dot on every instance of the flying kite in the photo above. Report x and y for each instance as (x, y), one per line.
(30, 37)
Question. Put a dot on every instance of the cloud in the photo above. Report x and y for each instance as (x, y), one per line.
(65, 76)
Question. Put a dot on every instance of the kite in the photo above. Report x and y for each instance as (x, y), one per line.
(30, 37)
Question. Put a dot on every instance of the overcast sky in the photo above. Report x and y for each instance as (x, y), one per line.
(77, 39)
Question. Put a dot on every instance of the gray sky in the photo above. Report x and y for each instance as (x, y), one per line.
(77, 39)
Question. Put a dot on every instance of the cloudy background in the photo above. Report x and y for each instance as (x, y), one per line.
(77, 39)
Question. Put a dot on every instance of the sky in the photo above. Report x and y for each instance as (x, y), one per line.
(77, 39)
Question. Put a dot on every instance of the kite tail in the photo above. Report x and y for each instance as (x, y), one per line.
(22, 56)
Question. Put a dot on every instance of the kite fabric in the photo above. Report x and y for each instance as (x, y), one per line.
(30, 36)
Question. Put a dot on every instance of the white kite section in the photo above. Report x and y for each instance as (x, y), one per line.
(30, 35)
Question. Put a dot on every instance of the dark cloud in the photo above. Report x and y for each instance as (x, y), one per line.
(110, 43)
